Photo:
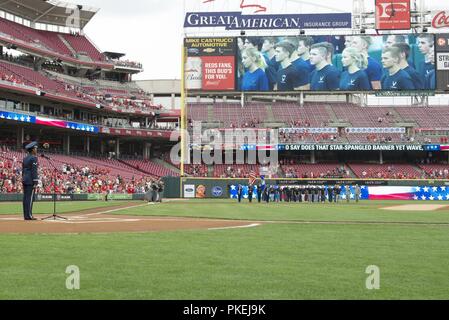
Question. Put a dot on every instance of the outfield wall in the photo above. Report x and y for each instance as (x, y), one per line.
(214, 188)
(394, 189)
(15, 197)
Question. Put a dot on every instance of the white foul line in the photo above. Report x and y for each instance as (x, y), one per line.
(113, 210)
(237, 227)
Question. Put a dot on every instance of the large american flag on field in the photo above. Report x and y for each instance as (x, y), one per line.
(252, 177)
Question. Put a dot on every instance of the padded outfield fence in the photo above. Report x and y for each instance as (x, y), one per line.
(219, 188)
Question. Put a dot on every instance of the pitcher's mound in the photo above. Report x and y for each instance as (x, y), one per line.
(416, 207)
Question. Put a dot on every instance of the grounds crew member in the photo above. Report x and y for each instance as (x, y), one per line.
(357, 193)
(348, 193)
(160, 190)
(30, 180)
(154, 190)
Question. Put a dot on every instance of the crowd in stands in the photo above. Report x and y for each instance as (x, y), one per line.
(127, 63)
(376, 138)
(293, 170)
(302, 124)
(387, 171)
(438, 173)
(293, 137)
(252, 123)
(11, 78)
(196, 170)
(122, 100)
(68, 178)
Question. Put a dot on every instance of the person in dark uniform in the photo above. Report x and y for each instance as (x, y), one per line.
(267, 194)
(154, 189)
(160, 190)
(259, 192)
(336, 193)
(250, 193)
(330, 191)
(240, 192)
(30, 180)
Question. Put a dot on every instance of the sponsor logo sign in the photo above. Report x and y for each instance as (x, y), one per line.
(217, 191)
(393, 14)
(189, 191)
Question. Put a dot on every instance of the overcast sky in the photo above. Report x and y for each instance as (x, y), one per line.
(151, 31)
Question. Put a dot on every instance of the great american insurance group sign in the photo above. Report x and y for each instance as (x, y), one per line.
(254, 15)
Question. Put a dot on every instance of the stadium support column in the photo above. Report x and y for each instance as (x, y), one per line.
(381, 157)
(147, 151)
(312, 157)
(20, 137)
(173, 101)
(87, 145)
(183, 118)
(117, 147)
(66, 145)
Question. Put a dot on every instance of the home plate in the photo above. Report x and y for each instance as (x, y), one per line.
(416, 207)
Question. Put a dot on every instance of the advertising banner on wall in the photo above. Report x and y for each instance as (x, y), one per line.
(353, 63)
(419, 193)
(440, 19)
(393, 15)
(189, 191)
(239, 21)
(442, 60)
(210, 64)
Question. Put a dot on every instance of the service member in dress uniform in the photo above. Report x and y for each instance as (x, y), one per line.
(30, 180)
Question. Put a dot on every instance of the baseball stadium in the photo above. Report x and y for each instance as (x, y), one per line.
(301, 154)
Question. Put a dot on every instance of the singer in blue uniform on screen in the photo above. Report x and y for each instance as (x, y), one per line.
(404, 50)
(395, 78)
(273, 66)
(254, 78)
(430, 78)
(302, 68)
(304, 45)
(426, 47)
(288, 78)
(399, 39)
(374, 69)
(325, 76)
(354, 78)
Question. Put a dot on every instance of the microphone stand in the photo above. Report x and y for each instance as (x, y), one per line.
(54, 216)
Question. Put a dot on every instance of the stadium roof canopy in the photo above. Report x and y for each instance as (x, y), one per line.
(48, 11)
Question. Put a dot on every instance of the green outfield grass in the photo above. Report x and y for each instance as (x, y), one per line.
(273, 261)
(364, 211)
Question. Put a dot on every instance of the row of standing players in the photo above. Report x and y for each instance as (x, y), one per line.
(299, 64)
(305, 193)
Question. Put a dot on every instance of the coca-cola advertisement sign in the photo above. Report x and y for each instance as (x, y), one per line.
(393, 14)
(440, 19)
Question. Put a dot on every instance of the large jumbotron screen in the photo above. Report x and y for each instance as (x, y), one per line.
(311, 63)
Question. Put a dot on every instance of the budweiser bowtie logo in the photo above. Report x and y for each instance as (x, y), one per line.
(441, 20)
